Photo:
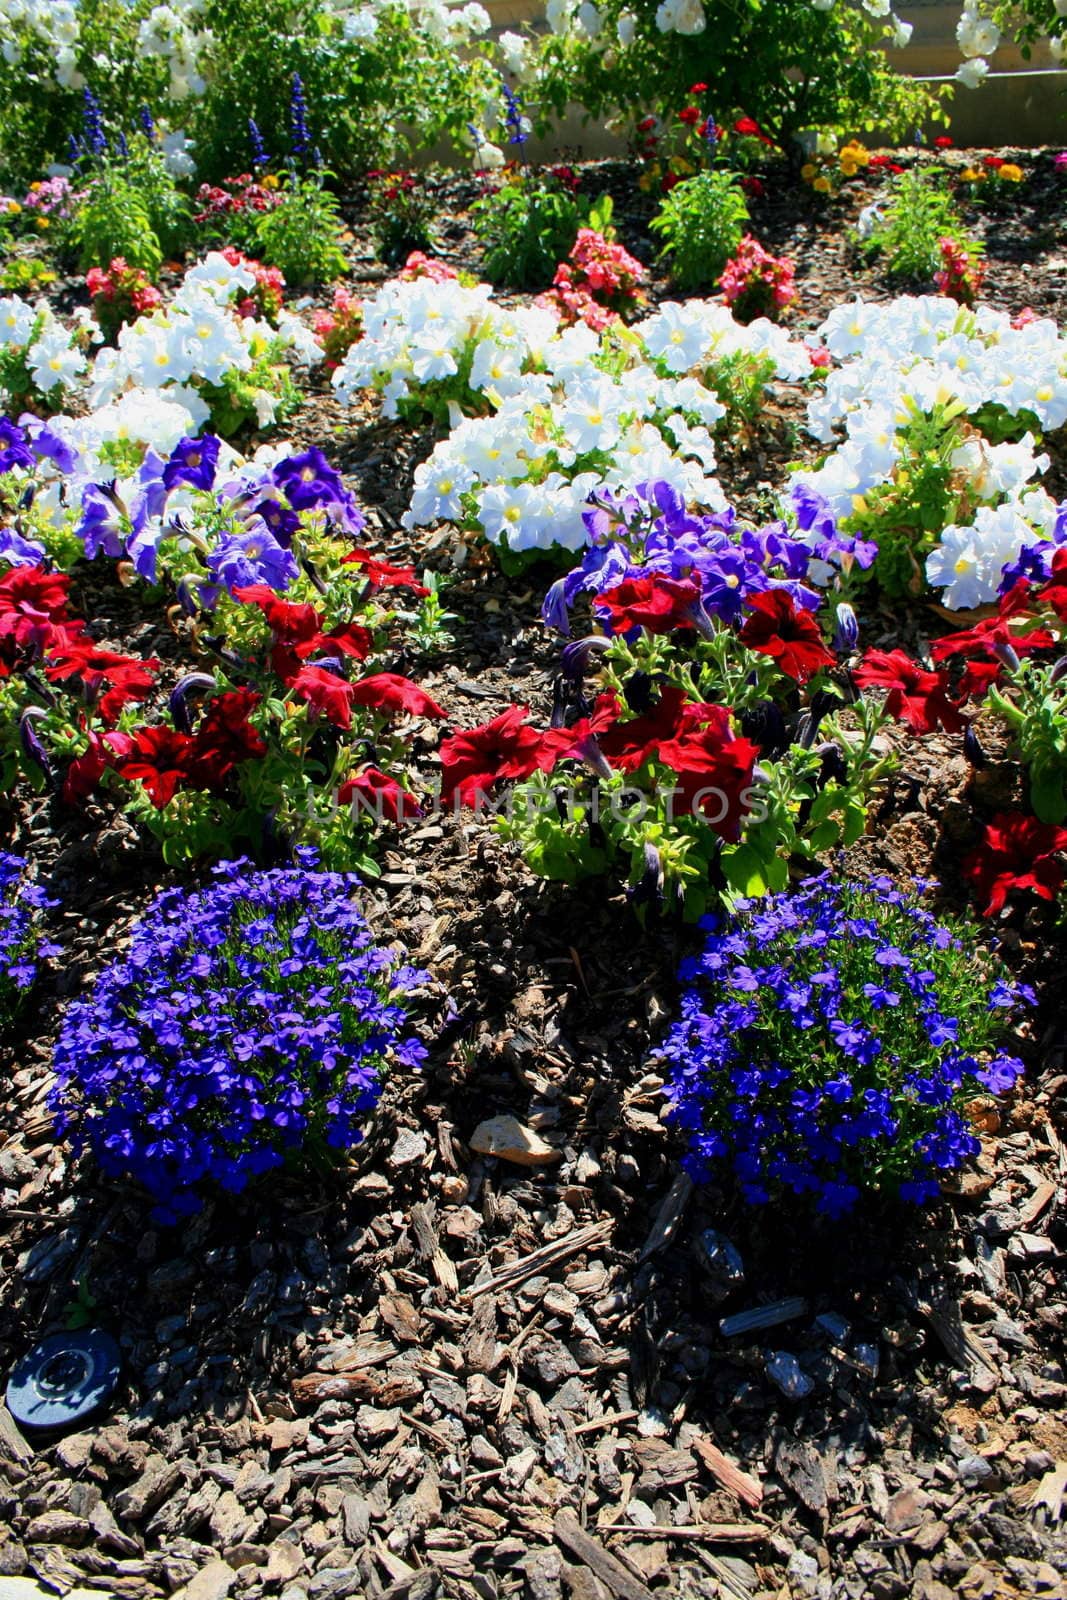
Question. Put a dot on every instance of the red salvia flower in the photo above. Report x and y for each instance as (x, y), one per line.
(1017, 852)
(915, 696)
(790, 637)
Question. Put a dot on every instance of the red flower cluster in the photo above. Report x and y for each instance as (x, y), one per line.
(711, 769)
(33, 616)
(383, 575)
(234, 197)
(1017, 852)
(756, 284)
(791, 637)
(599, 282)
(268, 295)
(340, 327)
(749, 128)
(915, 696)
(658, 604)
(121, 293)
(960, 275)
(419, 265)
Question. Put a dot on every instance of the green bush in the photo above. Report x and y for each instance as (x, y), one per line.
(701, 222)
(526, 228)
(906, 239)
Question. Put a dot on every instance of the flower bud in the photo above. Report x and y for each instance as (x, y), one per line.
(972, 749)
(847, 631)
(179, 709)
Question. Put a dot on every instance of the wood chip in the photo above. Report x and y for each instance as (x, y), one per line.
(712, 1532)
(748, 1490)
(768, 1316)
(668, 1217)
(608, 1568)
(517, 1272)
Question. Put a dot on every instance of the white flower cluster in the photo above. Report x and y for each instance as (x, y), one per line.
(420, 332)
(197, 338)
(50, 351)
(525, 474)
(570, 408)
(912, 355)
(168, 31)
(52, 23)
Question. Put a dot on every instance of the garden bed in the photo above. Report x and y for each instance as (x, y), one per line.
(447, 1373)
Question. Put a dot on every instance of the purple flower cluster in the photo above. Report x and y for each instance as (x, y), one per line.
(21, 946)
(248, 524)
(24, 446)
(652, 530)
(247, 1022)
(829, 1040)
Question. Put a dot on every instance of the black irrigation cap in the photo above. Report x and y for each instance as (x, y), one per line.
(64, 1380)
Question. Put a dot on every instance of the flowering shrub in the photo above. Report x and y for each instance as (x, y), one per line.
(228, 211)
(756, 284)
(249, 1025)
(709, 756)
(22, 946)
(599, 282)
(830, 1041)
(991, 183)
(401, 212)
(338, 329)
(120, 293)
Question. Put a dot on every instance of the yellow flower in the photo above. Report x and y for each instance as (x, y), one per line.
(1010, 173)
(808, 171)
(13, 207)
(43, 223)
(848, 166)
(972, 175)
(35, 186)
(822, 185)
(270, 181)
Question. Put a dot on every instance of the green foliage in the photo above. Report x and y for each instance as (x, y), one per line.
(782, 62)
(920, 213)
(905, 517)
(526, 228)
(701, 222)
(1033, 702)
(25, 275)
(301, 235)
(114, 219)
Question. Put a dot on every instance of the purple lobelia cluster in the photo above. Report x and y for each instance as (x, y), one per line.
(829, 1042)
(22, 947)
(247, 1023)
(651, 530)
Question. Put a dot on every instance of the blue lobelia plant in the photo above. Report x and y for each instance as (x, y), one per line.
(830, 1041)
(249, 1024)
(22, 946)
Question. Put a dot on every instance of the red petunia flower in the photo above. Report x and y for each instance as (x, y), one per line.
(658, 604)
(325, 693)
(915, 696)
(160, 759)
(33, 611)
(1017, 852)
(382, 574)
(85, 771)
(128, 680)
(225, 738)
(380, 795)
(506, 747)
(712, 768)
(790, 637)
(386, 691)
(1054, 592)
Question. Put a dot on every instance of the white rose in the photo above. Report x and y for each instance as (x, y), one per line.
(626, 27)
(973, 73)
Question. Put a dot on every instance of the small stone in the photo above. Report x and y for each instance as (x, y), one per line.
(507, 1139)
(212, 1582)
(409, 1148)
(973, 1470)
(285, 1561)
(803, 1572)
(454, 1189)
